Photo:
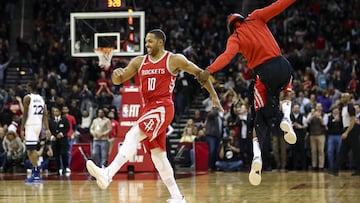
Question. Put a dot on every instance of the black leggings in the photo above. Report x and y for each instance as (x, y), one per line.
(275, 74)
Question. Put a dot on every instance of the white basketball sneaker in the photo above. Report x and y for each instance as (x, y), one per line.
(255, 172)
(286, 126)
(101, 174)
(176, 200)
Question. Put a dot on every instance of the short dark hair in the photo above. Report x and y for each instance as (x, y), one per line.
(33, 85)
(159, 34)
(55, 107)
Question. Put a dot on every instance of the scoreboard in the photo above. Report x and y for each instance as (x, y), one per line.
(114, 3)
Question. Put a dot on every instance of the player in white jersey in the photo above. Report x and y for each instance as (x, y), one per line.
(34, 116)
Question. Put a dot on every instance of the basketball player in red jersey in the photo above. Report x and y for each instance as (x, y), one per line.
(157, 72)
(252, 38)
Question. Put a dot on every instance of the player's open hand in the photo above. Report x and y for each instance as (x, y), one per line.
(203, 77)
(216, 103)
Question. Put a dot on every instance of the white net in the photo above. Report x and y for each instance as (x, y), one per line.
(105, 54)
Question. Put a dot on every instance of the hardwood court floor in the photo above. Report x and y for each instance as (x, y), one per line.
(218, 187)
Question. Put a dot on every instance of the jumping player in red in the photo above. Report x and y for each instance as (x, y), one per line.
(157, 72)
(252, 38)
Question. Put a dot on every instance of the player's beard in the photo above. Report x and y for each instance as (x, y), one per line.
(153, 51)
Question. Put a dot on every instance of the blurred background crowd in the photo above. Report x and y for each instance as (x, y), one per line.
(320, 39)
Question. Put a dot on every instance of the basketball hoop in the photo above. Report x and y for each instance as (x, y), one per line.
(105, 54)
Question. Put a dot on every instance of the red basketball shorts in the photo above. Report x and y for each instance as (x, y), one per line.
(154, 123)
(260, 92)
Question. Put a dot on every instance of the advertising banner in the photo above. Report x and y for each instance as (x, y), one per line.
(129, 112)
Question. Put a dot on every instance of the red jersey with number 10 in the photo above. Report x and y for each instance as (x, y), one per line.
(157, 82)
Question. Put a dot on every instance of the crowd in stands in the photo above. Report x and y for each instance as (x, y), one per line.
(320, 39)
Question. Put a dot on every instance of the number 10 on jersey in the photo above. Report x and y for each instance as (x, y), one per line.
(151, 84)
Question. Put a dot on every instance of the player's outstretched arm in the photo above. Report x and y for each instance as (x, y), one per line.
(203, 77)
(121, 75)
(232, 48)
(179, 62)
(273, 9)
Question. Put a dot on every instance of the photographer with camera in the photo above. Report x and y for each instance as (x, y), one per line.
(229, 156)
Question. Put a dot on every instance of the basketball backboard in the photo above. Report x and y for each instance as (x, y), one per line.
(124, 31)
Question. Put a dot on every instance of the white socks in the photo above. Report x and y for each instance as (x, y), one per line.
(116, 164)
(286, 108)
(127, 150)
(256, 147)
(166, 172)
(173, 188)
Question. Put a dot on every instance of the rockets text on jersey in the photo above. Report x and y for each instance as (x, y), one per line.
(157, 82)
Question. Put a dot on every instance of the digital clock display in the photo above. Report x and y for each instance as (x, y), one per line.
(114, 3)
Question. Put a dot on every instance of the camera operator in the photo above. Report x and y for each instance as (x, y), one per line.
(229, 156)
